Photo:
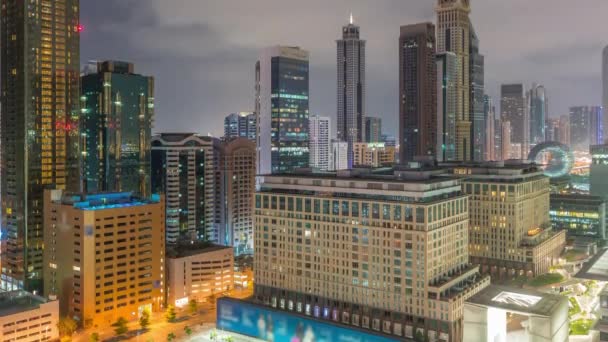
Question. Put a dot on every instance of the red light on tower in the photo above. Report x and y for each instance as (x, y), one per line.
(79, 28)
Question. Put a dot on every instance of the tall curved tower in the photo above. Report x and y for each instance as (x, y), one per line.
(453, 35)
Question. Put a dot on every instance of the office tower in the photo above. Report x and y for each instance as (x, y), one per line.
(510, 231)
(185, 167)
(368, 226)
(281, 105)
(476, 101)
(579, 215)
(351, 87)
(505, 146)
(186, 282)
(598, 175)
(116, 124)
(564, 130)
(552, 129)
(339, 155)
(498, 139)
(447, 103)
(513, 109)
(241, 125)
(373, 129)
(389, 140)
(537, 97)
(237, 177)
(605, 87)
(319, 129)
(27, 317)
(417, 92)
(453, 35)
(104, 255)
(585, 127)
(374, 155)
(40, 43)
(490, 135)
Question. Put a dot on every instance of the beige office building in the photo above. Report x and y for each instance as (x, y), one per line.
(197, 272)
(28, 318)
(380, 251)
(104, 255)
(373, 154)
(510, 230)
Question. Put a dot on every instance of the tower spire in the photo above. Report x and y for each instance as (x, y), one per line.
(351, 18)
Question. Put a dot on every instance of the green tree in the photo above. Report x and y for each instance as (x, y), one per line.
(188, 330)
(228, 339)
(120, 326)
(170, 314)
(94, 337)
(66, 326)
(171, 337)
(213, 335)
(193, 306)
(144, 320)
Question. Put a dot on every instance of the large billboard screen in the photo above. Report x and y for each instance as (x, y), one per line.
(271, 325)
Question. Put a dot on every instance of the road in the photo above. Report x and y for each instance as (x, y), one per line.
(200, 324)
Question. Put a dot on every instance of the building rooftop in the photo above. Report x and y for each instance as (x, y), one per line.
(103, 201)
(18, 301)
(596, 268)
(518, 300)
(186, 249)
(578, 198)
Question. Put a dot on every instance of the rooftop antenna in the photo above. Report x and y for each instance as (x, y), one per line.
(351, 18)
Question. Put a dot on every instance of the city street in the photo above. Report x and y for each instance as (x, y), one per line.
(201, 324)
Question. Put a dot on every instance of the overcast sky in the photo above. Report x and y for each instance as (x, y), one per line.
(202, 52)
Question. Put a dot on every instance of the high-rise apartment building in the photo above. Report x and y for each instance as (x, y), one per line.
(394, 250)
(104, 255)
(374, 155)
(319, 129)
(490, 135)
(513, 109)
(281, 105)
(505, 146)
(447, 103)
(510, 231)
(185, 167)
(476, 101)
(116, 125)
(351, 87)
(237, 176)
(537, 102)
(417, 92)
(240, 125)
(373, 129)
(453, 35)
(585, 127)
(605, 88)
(564, 130)
(339, 155)
(40, 44)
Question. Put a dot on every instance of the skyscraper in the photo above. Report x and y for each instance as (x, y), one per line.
(453, 35)
(373, 129)
(477, 105)
(339, 155)
(186, 168)
(447, 103)
(40, 43)
(116, 124)
(351, 87)
(605, 86)
(564, 130)
(513, 109)
(505, 146)
(241, 125)
(537, 102)
(490, 135)
(585, 127)
(281, 105)
(319, 131)
(417, 92)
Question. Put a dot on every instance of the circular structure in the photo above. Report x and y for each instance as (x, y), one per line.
(555, 158)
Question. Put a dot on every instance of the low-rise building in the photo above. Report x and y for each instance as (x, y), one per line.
(104, 255)
(198, 271)
(28, 318)
(579, 215)
(373, 154)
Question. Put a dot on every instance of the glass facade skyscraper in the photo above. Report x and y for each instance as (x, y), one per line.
(537, 98)
(282, 109)
(447, 66)
(476, 106)
(40, 42)
(116, 125)
(241, 125)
